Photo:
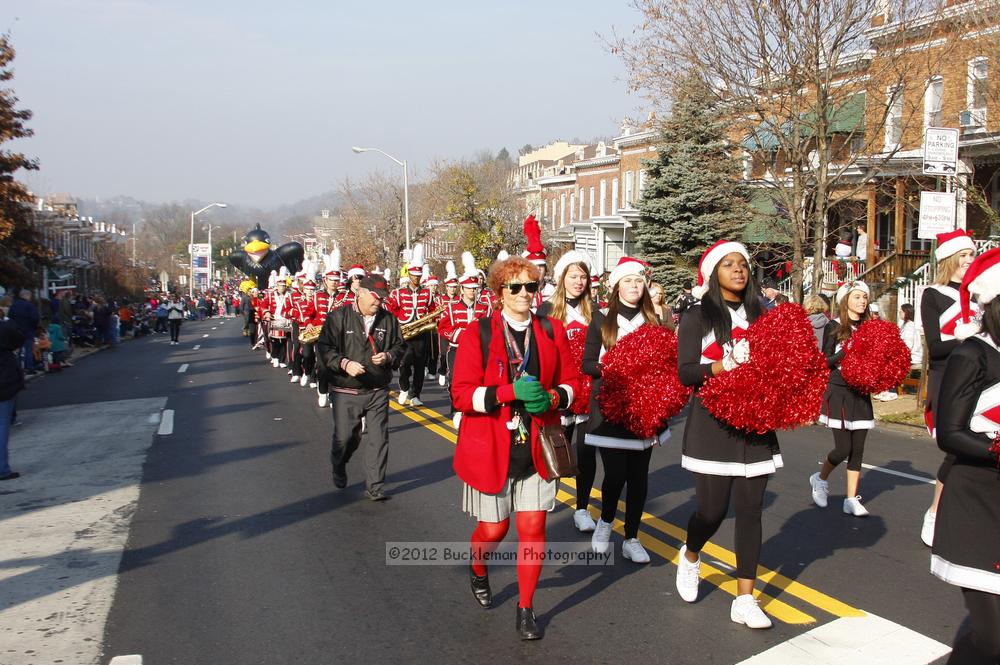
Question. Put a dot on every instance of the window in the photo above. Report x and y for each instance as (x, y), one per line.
(642, 182)
(857, 144)
(977, 90)
(562, 210)
(604, 196)
(572, 207)
(629, 185)
(614, 196)
(591, 209)
(545, 209)
(894, 118)
(932, 102)
(580, 196)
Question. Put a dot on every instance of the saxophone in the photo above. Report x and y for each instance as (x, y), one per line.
(310, 334)
(423, 324)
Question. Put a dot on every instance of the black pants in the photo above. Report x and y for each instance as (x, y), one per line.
(175, 329)
(348, 410)
(712, 494)
(586, 462)
(623, 467)
(278, 345)
(161, 325)
(981, 645)
(444, 348)
(414, 363)
(433, 352)
(294, 351)
(850, 445)
(307, 359)
(248, 323)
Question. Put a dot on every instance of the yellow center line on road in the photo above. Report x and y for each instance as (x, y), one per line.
(780, 610)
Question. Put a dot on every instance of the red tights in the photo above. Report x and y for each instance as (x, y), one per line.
(531, 539)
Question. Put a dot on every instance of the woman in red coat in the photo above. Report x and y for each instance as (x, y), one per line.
(507, 388)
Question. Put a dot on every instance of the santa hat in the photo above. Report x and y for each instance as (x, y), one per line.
(470, 274)
(417, 260)
(331, 264)
(595, 279)
(711, 258)
(982, 280)
(569, 258)
(356, 271)
(535, 251)
(952, 243)
(847, 287)
(450, 276)
(626, 266)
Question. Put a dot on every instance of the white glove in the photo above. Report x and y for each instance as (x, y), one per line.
(736, 353)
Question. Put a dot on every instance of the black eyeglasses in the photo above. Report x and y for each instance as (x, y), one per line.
(515, 287)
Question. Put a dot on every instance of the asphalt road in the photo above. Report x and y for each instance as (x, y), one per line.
(241, 551)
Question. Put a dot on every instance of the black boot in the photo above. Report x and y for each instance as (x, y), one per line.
(527, 627)
(481, 588)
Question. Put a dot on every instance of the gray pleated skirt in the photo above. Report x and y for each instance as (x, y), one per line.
(524, 494)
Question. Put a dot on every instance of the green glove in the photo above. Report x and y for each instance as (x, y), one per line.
(528, 388)
(540, 404)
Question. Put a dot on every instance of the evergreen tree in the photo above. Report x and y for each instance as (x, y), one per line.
(20, 243)
(694, 193)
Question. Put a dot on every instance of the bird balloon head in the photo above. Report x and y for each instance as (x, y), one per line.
(256, 243)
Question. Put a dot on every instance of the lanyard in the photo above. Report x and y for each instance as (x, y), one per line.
(517, 358)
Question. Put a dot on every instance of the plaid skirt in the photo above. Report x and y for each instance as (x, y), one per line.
(517, 495)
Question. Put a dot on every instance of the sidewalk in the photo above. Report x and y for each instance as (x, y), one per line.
(902, 412)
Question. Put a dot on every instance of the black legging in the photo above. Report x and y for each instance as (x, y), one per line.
(712, 493)
(307, 361)
(981, 645)
(586, 463)
(850, 445)
(175, 329)
(621, 467)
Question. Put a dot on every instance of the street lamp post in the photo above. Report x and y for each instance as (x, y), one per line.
(191, 246)
(406, 189)
(211, 271)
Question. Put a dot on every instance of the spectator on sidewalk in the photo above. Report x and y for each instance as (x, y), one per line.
(175, 315)
(24, 314)
(161, 316)
(11, 383)
(58, 339)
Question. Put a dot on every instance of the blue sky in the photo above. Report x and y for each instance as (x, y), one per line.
(259, 102)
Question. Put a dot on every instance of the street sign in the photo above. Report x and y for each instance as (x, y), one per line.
(937, 214)
(940, 151)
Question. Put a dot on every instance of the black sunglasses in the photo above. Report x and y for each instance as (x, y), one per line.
(515, 287)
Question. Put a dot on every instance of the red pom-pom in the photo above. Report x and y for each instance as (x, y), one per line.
(783, 384)
(581, 399)
(875, 357)
(640, 388)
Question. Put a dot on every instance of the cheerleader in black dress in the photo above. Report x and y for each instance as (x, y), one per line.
(939, 313)
(847, 412)
(726, 463)
(966, 550)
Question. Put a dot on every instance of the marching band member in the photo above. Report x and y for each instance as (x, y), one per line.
(451, 295)
(847, 412)
(294, 349)
(409, 303)
(279, 315)
(354, 275)
(939, 313)
(572, 305)
(535, 253)
(725, 462)
(624, 454)
(458, 315)
(310, 313)
(967, 531)
(506, 391)
(433, 347)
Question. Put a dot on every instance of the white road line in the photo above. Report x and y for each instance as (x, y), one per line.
(167, 423)
(205, 335)
(183, 368)
(215, 327)
(196, 347)
(854, 641)
(126, 660)
(923, 479)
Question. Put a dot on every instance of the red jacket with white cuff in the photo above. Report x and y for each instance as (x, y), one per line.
(484, 396)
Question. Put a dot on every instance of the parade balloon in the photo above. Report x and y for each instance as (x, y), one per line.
(257, 260)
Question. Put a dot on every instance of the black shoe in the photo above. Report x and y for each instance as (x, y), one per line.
(11, 476)
(481, 588)
(340, 477)
(377, 495)
(527, 628)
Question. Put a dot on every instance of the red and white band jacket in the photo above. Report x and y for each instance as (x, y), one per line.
(312, 310)
(280, 308)
(344, 299)
(457, 317)
(409, 305)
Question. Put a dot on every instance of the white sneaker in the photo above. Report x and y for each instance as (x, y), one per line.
(294, 379)
(304, 380)
(853, 507)
(312, 384)
(688, 576)
(633, 550)
(274, 362)
(364, 424)
(442, 379)
(820, 490)
(583, 521)
(323, 400)
(403, 396)
(927, 530)
(283, 365)
(267, 356)
(416, 402)
(600, 542)
(745, 610)
(431, 376)
(456, 420)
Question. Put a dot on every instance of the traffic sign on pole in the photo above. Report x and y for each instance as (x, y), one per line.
(940, 151)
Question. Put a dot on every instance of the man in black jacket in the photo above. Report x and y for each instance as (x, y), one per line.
(359, 346)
